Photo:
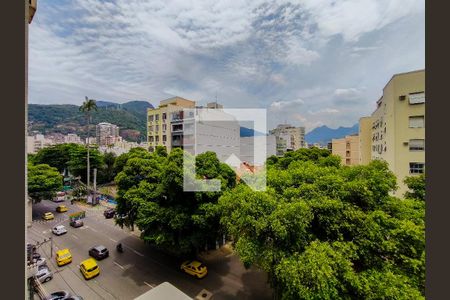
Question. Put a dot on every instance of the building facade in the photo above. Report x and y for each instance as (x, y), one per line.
(397, 132)
(365, 140)
(288, 138)
(251, 143)
(159, 131)
(106, 134)
(347, 149)
(38, 142)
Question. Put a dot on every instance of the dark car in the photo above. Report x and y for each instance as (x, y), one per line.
(99, 252)
(74, 297)
(109, 213)
(76, 223)
(58, 295)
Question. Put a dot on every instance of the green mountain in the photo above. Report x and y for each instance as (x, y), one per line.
(130, 117)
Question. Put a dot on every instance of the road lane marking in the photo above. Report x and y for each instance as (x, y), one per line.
(119, 266)
(138, 253)
(75, 236)
(113, 240)
(149, 284)
(94, 230)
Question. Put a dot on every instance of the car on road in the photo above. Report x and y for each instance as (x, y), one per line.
(89, 268)
(60, 295)
(48, 216)
(59, 230)
(63, 257)
(109, 213)
(76, 223)
(74, 297)
(61, 208)
(44, 274)
(194, 268)
(37, 261)
(99, 252)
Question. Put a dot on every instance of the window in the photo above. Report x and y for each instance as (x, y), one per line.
(416, 145)
(157, 138)
(157, 128)
(156, 117)
(347, 161)
(164, 127)
(150, 128)
(164, 116)
(416, 122)
(150, 118)
(417, 98)
(416, 168)
(164, 138)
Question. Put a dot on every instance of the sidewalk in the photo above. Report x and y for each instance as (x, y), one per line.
(217, 254)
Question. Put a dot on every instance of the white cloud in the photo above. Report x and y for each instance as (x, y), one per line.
(285, 105)
(325, 111)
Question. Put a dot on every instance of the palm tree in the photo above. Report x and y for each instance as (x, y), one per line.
(88, 106)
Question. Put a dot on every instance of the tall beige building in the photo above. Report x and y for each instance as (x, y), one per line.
(159, 131)
(347, 148)
(365, 140)
(397, 134)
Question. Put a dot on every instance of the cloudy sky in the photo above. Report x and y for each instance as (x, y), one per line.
(309, 62)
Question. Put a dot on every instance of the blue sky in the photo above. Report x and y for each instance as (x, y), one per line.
(310, 62)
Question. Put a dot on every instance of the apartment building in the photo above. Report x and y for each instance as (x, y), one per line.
(37, 142)
(159, 128)
(289, 138)
(347, 149)
(72, 138)
(106, 134)
(251, 143)
(203, 129)
(397, 131)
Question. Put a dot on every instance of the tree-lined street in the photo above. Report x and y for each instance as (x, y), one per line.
(129, 274)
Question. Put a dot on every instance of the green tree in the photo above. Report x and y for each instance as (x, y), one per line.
(150, 193)
(107, 172)
(416, 186)
(87, 107)
(43, 182)
(326, 231)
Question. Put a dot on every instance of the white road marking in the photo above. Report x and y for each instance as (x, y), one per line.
(149, 284)
(94, 230)
(75, 236)
(119, 266)
(113, 240)
(138, 253)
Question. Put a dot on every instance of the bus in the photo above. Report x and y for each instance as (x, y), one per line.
(60, 197)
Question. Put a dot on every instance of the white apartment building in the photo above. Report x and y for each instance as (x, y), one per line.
(37, 142)
(106, 134)
(250, 143)
(72, 138)
(289, 138)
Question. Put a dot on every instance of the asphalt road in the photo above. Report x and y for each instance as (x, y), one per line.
(137, 270)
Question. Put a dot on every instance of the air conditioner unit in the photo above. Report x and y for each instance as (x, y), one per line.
(402, 97)
(405, 143)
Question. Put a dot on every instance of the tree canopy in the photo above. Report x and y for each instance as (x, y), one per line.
(150, 193)
(325, 231)
(43, 182)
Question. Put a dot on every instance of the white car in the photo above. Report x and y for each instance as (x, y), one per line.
(60, 229)
(38, 261)
(44, 274)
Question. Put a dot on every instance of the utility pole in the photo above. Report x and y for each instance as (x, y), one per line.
(51, 247)
(95, 187)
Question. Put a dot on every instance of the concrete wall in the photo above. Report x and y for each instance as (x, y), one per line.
(365, 140)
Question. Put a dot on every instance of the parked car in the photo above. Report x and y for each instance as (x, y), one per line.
(76, 223)
(74, 297)
(63, 257)
(59, 230)
(99, 252)
(109, 213)
(60, 295)
(31, 256)
(61, 208)
(38, 261)
(48, 216)
(44, 274)
(194, 268)
(89, 268)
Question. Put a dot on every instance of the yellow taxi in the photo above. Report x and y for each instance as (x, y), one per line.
(63, 257)
(48, 216)
(194, 268)
(61, 208)
(89, 268)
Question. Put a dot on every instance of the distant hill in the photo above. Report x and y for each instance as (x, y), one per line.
(324, 134)
(130, 117)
